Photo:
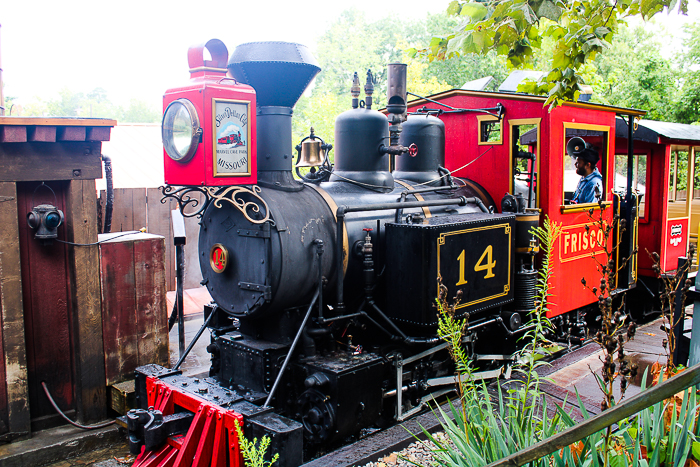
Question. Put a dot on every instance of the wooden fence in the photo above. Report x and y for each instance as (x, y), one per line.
(137, 208)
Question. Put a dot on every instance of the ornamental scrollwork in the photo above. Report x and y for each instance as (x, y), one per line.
(189, 203)
(236, 195)
(194, 200)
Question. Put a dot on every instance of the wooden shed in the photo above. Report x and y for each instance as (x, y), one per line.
(50, 294)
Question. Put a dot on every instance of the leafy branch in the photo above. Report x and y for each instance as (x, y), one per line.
(580, 29)
(254, 454)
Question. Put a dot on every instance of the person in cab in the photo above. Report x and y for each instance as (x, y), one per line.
(590, 187)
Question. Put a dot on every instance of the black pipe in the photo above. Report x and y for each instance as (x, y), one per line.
(319, 252)
(445, 175)
(179, 293)
(110, 194)
(194, 341)
(291, 351)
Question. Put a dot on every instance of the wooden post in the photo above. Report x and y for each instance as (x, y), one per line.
(81, 226)
(15, 361)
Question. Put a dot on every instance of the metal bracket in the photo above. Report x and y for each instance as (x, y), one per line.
(265, 289)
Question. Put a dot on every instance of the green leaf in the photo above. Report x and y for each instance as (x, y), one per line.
(476, 11)
(696, 450)
(602, 31)
(453, 8)
(548, 9)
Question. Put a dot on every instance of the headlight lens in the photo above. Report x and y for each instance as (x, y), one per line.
(181, 130)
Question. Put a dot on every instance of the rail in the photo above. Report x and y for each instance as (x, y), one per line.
(631, 406)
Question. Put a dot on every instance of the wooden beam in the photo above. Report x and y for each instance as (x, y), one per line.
(71, 133)
(43, 162)
(84, 264)
(690, 183)
(13, 134)
(98, 133)
(13, 313)
(42, 134)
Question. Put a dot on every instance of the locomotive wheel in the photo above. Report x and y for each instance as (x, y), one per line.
(317, 415)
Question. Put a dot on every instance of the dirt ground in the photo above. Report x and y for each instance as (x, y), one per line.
(115, 456)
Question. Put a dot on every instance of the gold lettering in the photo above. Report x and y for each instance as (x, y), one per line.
(489, 265)
(461, 258)
(584, 245)
(566, 243)
(574, 243)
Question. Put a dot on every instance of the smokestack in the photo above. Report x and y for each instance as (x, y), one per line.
(279, 72)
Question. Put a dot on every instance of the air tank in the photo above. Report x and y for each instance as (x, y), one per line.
(428, 134)
(359, 136)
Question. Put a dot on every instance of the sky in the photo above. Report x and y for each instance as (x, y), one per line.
(138, 49)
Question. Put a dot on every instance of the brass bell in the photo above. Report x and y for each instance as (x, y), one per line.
(311, 153)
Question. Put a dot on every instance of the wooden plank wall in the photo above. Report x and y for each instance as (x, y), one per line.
(84, 267)
(14, 400)
(136, 208)
(48, 310)
(135, 321)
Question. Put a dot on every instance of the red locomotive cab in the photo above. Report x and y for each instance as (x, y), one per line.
(519, 149)
(209, 125)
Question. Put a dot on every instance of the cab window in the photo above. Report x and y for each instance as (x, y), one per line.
(595, 138)
(525, 160)
(639, 180)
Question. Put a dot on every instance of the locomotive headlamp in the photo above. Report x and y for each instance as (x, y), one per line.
(181, 130)
(45, 219)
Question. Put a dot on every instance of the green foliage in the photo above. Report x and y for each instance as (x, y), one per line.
(514, 29)
(355, 44)
(496, 429)
(634, 74)
(254, 454)
(688, 103)
(485, 430)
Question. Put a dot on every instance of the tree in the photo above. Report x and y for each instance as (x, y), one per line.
(67, 105)
(352, 44)
(632, 73)
(140, 112)
(94, 104)
(580, 30)
(688, 105)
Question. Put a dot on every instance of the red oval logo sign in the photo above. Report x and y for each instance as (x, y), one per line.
(218, 258)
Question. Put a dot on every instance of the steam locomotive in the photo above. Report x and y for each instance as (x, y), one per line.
(324, 316)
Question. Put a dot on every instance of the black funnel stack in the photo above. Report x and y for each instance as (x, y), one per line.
(279, 72)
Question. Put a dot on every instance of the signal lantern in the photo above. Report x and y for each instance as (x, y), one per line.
(209, 125)
(45, 219)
